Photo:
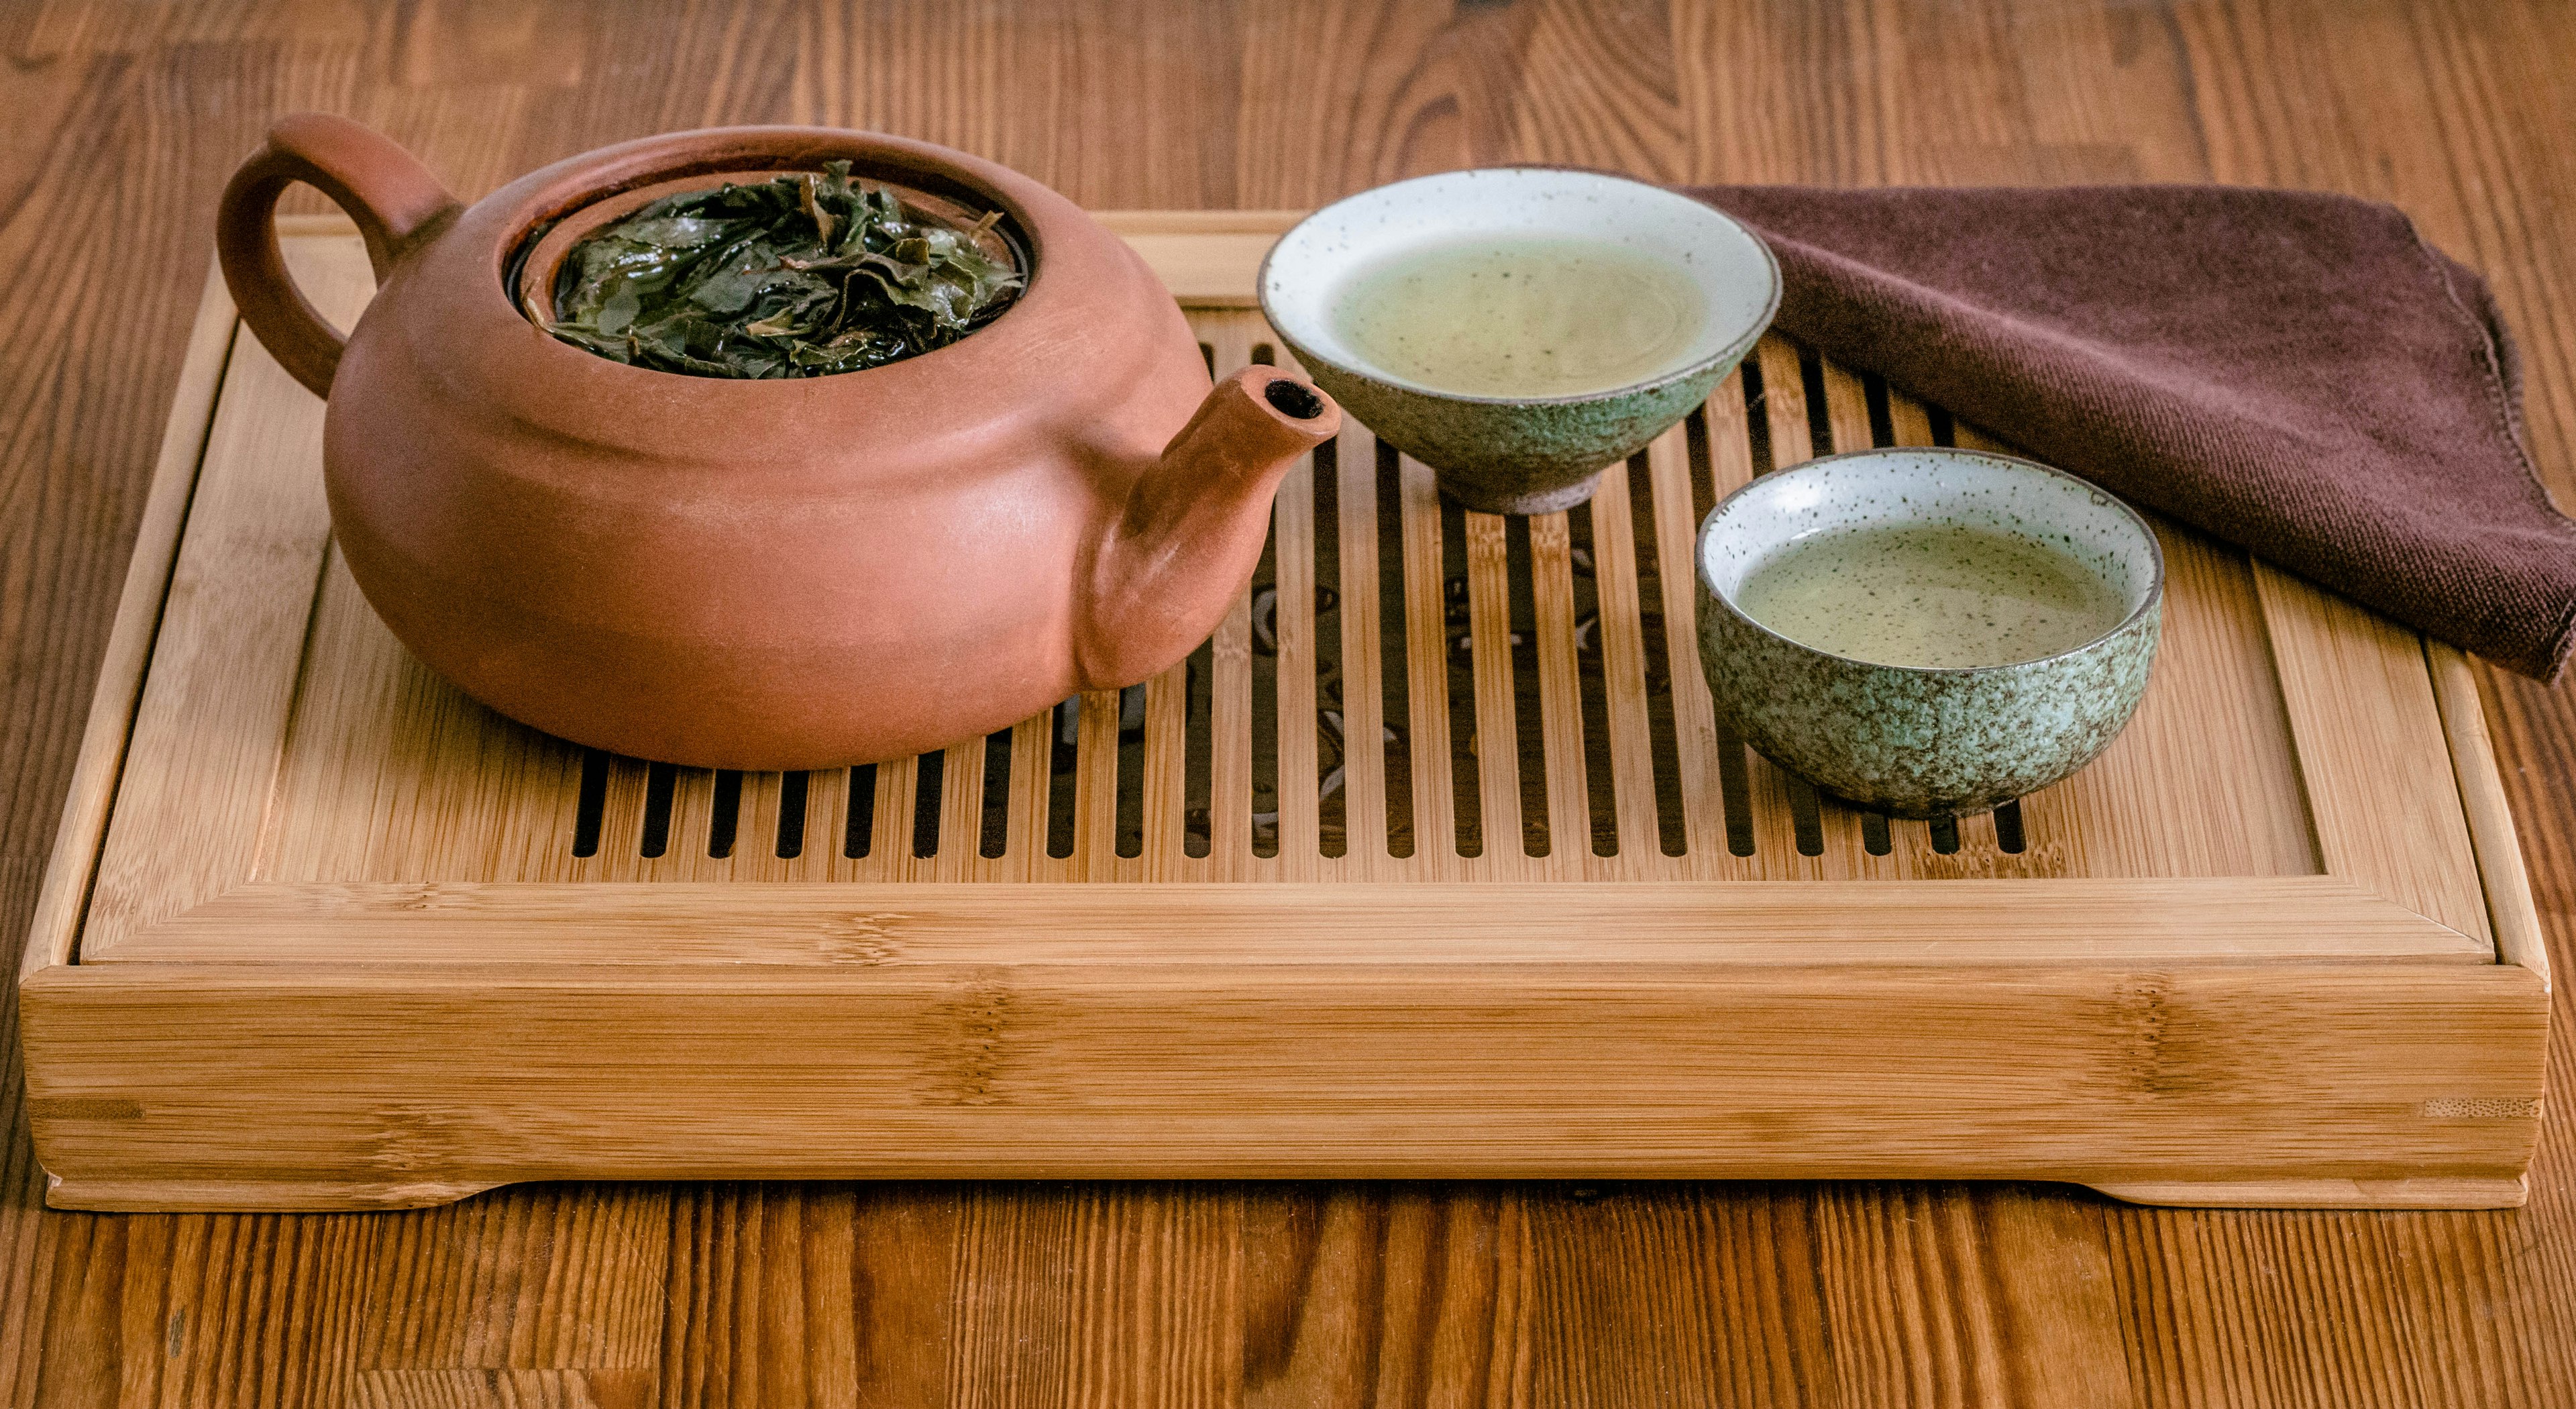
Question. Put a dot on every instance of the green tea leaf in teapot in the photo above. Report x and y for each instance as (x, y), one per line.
(799, 276)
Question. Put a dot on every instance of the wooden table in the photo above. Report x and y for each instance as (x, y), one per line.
(124, 120)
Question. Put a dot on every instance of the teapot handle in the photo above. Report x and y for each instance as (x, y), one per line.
(393, 198)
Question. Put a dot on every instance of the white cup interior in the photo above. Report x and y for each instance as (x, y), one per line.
(1311, 265)
(1889, 487)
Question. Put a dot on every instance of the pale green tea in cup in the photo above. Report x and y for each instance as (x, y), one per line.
(1933, 595)
(1521, 315)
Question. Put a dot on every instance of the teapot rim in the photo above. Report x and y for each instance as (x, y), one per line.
(542, 199)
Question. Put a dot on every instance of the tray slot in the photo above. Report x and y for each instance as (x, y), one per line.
(992, 818)
(789, 842)
(1330, 680)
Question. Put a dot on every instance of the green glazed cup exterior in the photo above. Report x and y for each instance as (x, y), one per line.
(1515, 457)
(1920, 742)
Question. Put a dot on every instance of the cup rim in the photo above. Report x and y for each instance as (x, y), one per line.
(2148, 601)
(1726, 356)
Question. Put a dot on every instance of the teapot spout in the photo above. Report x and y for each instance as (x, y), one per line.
(1186, 540)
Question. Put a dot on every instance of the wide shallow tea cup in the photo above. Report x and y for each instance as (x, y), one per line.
(1508, 453)
(1918, 741)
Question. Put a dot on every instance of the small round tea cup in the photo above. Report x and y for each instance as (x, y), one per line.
(1519, 454)
(1917, 741)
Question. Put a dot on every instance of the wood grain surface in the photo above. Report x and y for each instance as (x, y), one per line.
(123, 120)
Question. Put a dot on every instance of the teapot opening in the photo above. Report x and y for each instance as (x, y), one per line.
(545, 279)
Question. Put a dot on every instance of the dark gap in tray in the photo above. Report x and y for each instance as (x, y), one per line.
(724, 819)
(1395, 698)
(1945, 834)
(1882, 416)
(1131, 771)
(1874, 837)
(1805, 816)
(1529, 722)
(1735, 788)
(1757, 418)
(1198, 751)
(660, 780)
(791, 816)
(1332, 808)
(859, 819)
(1265, 693)
(1592, 685)
(1703, 465)
(995, 833)
(930, 775)
(2008, 833)
(1945, 431)
(1065, 734)
(593, 802)
(1663, 735)
(1466, 785)
(1820, 416)
(1207, 354)
(1263, 355)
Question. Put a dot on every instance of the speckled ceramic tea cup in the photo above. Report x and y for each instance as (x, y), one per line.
(1528, 454)
(1919, 741)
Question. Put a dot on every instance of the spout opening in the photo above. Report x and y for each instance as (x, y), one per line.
(1293, 398)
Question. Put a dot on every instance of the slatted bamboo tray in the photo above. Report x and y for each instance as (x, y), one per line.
(1431, 863)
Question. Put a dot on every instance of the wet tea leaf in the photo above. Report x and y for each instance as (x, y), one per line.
(798, 276)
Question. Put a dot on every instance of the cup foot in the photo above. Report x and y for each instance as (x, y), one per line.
(1496, 499)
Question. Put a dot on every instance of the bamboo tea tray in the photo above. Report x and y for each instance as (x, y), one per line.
(1430, 863)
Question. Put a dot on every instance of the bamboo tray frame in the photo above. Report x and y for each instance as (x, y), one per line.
(315, 933)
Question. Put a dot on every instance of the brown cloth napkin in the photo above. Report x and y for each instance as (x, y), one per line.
(2297, 373)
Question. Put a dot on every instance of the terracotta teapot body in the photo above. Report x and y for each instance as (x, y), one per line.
(766, 574)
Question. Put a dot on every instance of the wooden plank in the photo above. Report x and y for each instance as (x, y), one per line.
(119, 691)
(1364, 770)
(2511, 915)
(1293, 533)
(215, 705)
(2382, 790)
(1694, 713)
(2205, 780)
(1230, 752)
(1032, 763)
(1497, 742)
(939, 1071)
(1230, 798)
(1166, 773)
(1560, 692)
(1207, 258)
(1623, 671)
(1485, 923)
(1426, 645)
(1095, 788)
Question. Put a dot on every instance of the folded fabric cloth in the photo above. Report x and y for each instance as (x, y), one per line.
(2299, 374)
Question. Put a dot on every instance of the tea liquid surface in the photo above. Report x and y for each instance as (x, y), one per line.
(1930, 595)
(1521, 317)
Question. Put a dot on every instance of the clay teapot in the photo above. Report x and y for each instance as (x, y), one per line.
(764, 574)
